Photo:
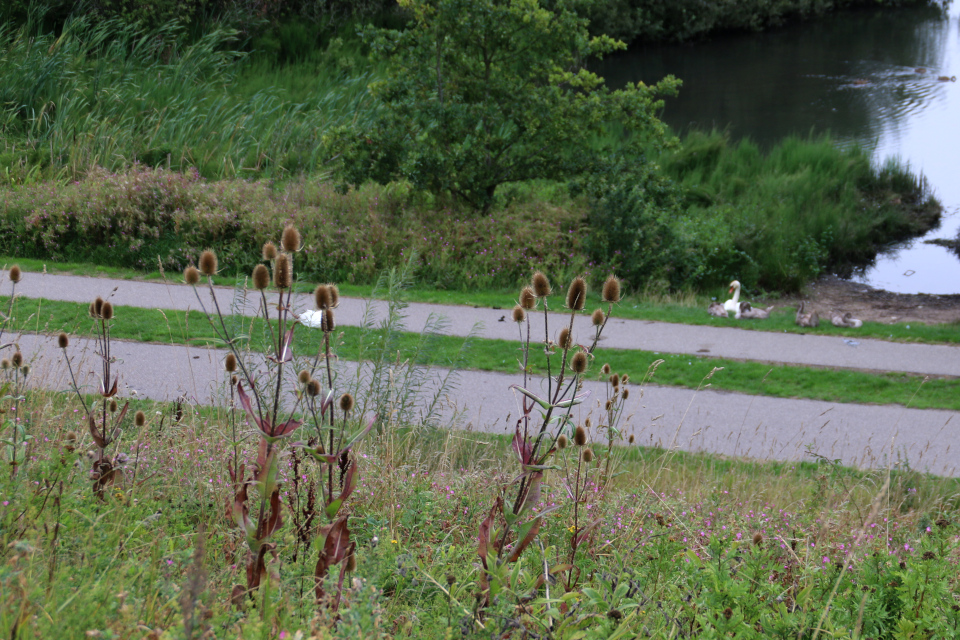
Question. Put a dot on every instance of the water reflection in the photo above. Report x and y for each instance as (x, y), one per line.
(868, 77)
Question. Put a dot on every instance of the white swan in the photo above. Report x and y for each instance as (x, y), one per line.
(312, 319)
(733, 305)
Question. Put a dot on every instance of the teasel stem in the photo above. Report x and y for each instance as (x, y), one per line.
(326, 354)
(13, 297)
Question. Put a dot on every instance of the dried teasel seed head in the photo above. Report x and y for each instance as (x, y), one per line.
(71, 436)
(261, 277)
(234, 380)
(346, 403)
(107, 312)
(562, 442)
(269, 251)
(758, 538)
(624, 379)
(580, 436)
(303, 377)
(608, 405)
(632, 439)
(579, 362)
(139, 418)
(5, 364)
(519, 315)
(98, 307)
(334, 295)
(351, 563)
(191, 276)
(588, 455)
(92, 311)
(15, 274)
(541, 286)
(208, 263)
(728, 613)
(17, 359)
(605, 369)
(321, 297)
(329, 322)
(451, 578)
(25, 370)
(70, 441)
(615, 380)
(625, 393)
(528, 299)
(290, 240)
(577, 294)
(230, 363)
(313, 388)
(113, 405)
(564, 340)
(611, 289)
(282, 272)
(63, 340)
(597, 318)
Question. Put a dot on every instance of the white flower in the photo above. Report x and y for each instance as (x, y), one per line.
(312, 319)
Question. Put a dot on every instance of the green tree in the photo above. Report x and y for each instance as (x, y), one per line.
(482, 93)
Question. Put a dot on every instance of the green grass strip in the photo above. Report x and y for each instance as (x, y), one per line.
(632, 308)
(782, 381)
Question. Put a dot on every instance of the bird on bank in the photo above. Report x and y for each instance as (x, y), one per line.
(749, 313)
(716, 310)
(846, 320)
(733, 305)
(811, 319)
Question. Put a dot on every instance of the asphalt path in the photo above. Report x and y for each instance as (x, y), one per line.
(662, 337)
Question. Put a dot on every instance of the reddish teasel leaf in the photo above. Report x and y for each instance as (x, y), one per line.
(239, 512)
(248, 407)
(95, 433)
(585, 533)
(285, 429)
(286, 351)
(122, 413)
(336, 547)
(236, 596)
(533, 491)
(256, 566)
(113, 390)
(275, 519)
(529, 532)
(521, 446)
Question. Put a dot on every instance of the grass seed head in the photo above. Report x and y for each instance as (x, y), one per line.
(230, 363)
(313, 388)
(519, 315)
(139, 418)
(269, 251)
(562, 442)
(261, 277)
(346, 403)
(15, 274)
(597, 318)
(282, 272)
(528, 299)
(17, 359)
(107, 311)
(565, 341)
(579, 362)
(588, 455)
(541, 286)
(290, 241)
(577, 294)
(303, 377)
(580, 436)
(208, 263)
(321, 297)
(328, 323)
(611, 289)
(191, 276)
(63, 340)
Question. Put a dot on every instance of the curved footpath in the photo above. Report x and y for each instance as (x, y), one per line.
(718, 422)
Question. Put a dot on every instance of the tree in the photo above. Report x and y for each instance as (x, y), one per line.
(482, 93)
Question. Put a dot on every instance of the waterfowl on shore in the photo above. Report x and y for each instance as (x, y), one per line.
(947, 78)
(811, 319)
(716, 310)
(312, 319)
(920, 70)
(749, 313)
(733, 305)
(846, 320)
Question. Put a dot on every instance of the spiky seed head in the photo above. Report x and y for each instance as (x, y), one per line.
(282, 272)
(107, 311)
(15, 274)
(528, 299)
(580, 436)
(92, 310)
(321, 297)
(728, 613)
(605, 369)
(587, 423)
(597, 318)
(579, 362)
(113, 405)
(17, 359)
(588, 455)
(63, 340)
(261, 277)
(208, 263)
(624, 379)
(290, 240)
(139, 418)
(351, 563)
(541, 286)
(5, 364)
(519, 315)
(25, 370)
(451, 578)
(611, 289)
(191, 276)
(234, 380)
(329, 322)
(313, 388)
(230, 363)
(632, 439)
(334, 295)
(615, 380)
(70, 441)
(577, 294)
(562, 442)
(346, 403)
(98, 307)
(625, 393)
(758, 538)
(303, 377)
(269, 251)
(565, 341)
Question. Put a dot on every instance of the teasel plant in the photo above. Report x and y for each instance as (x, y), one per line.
(510, 526)
(12, 385)
(106, 422)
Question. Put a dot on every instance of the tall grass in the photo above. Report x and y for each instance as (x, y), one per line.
(108, 94)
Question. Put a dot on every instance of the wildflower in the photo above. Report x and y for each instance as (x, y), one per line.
(140, 418)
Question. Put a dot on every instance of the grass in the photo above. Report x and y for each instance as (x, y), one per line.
(782, 381)
(682, 309)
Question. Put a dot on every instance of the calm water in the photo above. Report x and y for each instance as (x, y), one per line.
(867, 77)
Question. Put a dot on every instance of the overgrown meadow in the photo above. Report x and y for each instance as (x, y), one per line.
(314, 503)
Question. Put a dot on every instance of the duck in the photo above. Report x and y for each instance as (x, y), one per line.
(749, 313)
(716, 310)
(733, 305)
(947, 78)
(811, 319)
(846, 320)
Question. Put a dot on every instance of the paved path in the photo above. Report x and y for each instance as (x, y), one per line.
(788, 348)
